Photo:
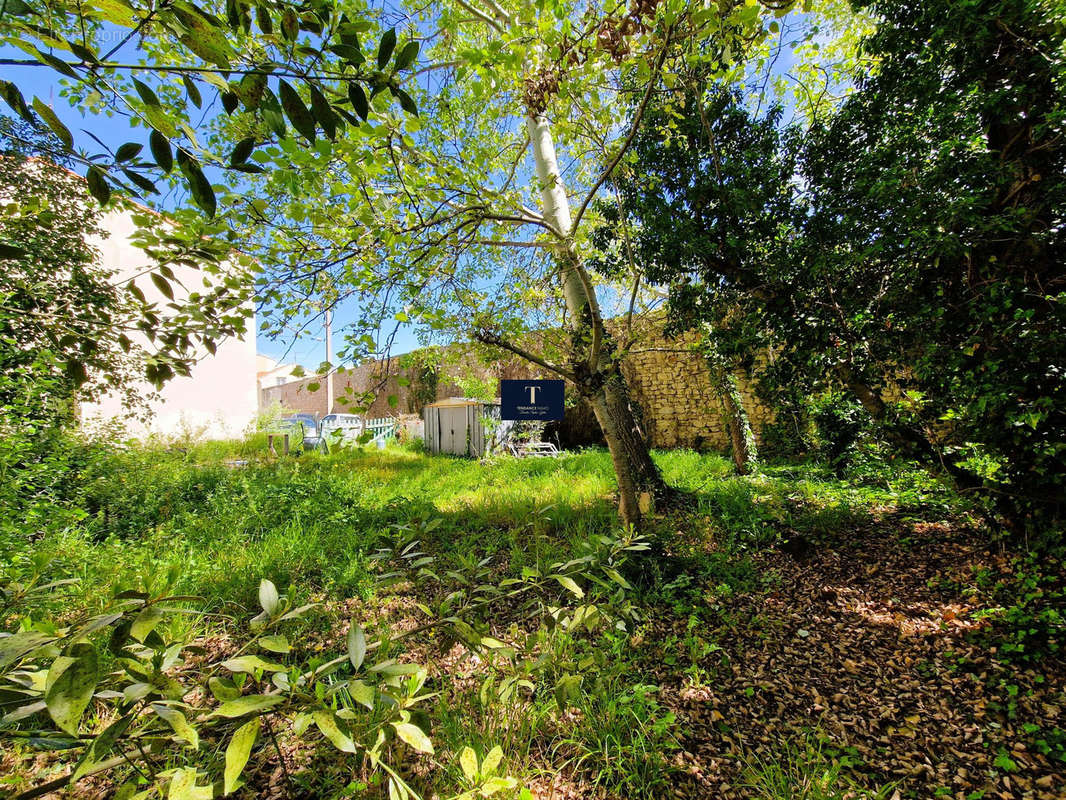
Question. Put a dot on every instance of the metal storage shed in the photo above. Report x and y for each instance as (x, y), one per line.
(458, 426)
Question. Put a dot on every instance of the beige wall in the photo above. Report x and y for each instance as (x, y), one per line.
(218, 399)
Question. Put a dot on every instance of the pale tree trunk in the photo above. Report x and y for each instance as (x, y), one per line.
(594, 362)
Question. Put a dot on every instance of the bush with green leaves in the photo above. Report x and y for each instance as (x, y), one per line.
(153, 695)
(129, 688)
(839, 422)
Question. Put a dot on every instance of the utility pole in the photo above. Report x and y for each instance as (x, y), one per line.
(329, 360)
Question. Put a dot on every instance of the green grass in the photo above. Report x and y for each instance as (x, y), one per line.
(808, 768)
(314, 521)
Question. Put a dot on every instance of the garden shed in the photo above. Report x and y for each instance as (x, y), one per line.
(463, 427)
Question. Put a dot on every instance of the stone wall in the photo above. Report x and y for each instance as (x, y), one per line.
(681, 409)
(670, 382)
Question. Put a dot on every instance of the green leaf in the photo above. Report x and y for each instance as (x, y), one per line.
(17, 8)
(356, 646)
(179, 723)
(237, 752)
(327, 723)
(414, 736)
(359, 101)
(58, 64)
(117, 12)
(223, 690)
(314, 386)
(202, 193)
(268, 596)
(385, 48)
(242, 150)
(183, 786)
(275, 644)
(251, 88)
(568, 691)
(616, 576)
(323, 113)
(192, 91)
(163, 285)
(70, 684)
(407, 56)
(468, 761)
(233, 15)
(494, 785)
(274, 120)
(363, 693)
(98, 187)
(570, 584)
(262, 19)
(102, 745)
(290, 24)
(22, 643)
(393, 400)
(153, 110)
(251, 664)
(406, 103)
(491, 762)
(83, 52)
(297, 112)
(49, 116)
(128, 151)
(249, 704)
(230, 101)
(160, 147)
(146, 94)
(13, 97)
(145, 622)
(349, 52)
(204, 38)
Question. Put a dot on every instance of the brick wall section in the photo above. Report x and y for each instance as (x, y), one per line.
(297, 396)
(669, 381)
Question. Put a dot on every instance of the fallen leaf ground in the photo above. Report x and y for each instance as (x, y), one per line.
(865, 652)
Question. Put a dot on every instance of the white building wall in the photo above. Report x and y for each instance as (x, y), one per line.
(220, 397)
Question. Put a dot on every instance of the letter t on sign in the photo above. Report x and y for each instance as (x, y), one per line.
(532, 394)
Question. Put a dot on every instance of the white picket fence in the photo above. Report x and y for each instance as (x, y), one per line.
(381, 431)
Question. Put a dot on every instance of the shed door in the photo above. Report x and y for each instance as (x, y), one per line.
(453, 423)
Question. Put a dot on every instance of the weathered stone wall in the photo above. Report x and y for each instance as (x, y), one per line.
(673, 386)
(667, 378)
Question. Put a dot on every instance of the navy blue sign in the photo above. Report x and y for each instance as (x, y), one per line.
(531, 400)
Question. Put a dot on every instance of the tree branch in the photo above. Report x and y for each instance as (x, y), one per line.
(494, 340)
(637, 117)
(481, 15)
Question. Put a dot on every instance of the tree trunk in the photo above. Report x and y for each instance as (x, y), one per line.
(745, 452)
(592, 355)
(640, 483)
